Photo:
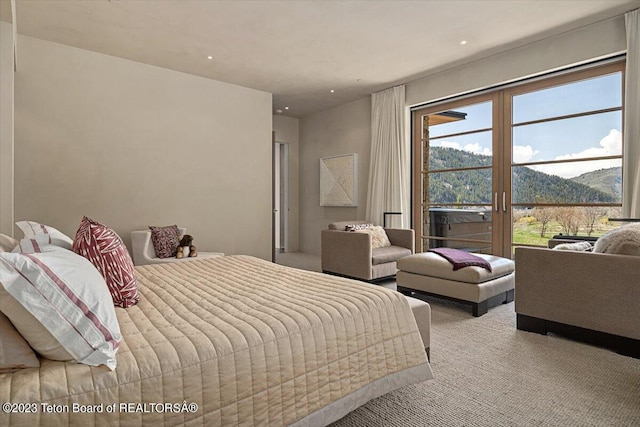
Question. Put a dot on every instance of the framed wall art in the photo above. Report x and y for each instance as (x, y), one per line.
(339, 180)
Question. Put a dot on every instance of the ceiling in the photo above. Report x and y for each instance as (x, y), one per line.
(301, 50)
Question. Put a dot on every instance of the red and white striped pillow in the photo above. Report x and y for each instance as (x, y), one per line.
(105, 250)
(60, 304)
(32, 229)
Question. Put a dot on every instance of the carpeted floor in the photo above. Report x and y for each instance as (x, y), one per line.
(487, 373)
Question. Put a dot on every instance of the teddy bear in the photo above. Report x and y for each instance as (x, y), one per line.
(186, 247)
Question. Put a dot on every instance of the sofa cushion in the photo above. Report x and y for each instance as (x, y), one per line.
(433, 265)
(623, 241)
(379, 237)
(388, 254)
(575, 246)
(342, 225)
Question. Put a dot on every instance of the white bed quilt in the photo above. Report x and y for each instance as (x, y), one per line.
(233, 341)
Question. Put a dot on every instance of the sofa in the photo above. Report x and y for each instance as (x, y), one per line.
(592, 297)
(350, 254)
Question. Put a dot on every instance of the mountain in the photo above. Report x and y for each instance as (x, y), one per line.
(606, 180)
(474, 186)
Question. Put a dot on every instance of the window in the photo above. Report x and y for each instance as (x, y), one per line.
(521, 164)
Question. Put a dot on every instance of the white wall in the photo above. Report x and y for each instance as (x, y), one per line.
(6, 128)
(573, 47)
(341, 130)
(347, 128)
(133, 145)
(287, 131)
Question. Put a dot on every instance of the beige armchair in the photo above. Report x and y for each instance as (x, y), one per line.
(143, 252)
(592, 297)
(349, 254)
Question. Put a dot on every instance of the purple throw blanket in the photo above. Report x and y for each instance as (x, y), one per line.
(461, 259)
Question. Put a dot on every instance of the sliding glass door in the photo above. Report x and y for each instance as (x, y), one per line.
(519, 165)
(456, 179)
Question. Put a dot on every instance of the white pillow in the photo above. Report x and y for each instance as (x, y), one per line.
(57, 293)
(623, 241)
(15, 353)
(574, 246)
(7, 243)
(32, 228)
(379, 238)
(32, 245)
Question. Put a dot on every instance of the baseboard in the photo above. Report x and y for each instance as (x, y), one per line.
(621, 345)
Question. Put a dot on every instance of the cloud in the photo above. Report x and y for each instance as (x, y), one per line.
(523, 153)
(610, 145)
(474, 148)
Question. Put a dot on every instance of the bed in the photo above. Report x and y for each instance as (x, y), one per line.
(232, 341)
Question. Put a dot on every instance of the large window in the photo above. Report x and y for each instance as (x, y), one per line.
(521, 164)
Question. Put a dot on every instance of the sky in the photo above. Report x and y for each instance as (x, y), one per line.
(581, 137)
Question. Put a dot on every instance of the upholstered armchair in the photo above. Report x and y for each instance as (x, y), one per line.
(143, 252)
(350, 254)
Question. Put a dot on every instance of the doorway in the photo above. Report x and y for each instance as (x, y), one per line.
(280, 197)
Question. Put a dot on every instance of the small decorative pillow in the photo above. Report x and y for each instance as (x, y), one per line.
(32, 245)
(32, 228)
(379, 238)
(7, 243)
(576, 246)
(15, 352)
(106, 251)
(622, 241)
(355, 227)
(165, 240)
(61, 305)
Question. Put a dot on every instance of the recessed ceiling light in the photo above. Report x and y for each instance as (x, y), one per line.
(286, 108)
(463, 42)
(209, 57)
(332, 91)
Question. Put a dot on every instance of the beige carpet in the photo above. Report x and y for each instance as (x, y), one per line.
(490, 374)
(300, 260)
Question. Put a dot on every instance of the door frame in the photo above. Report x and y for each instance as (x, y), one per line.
(280, 199)
(498, 159)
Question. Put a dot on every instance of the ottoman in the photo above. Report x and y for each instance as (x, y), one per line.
(430, 273)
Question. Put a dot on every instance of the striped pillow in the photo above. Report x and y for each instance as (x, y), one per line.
(60, 304)
(32, 229)
(32, 245)
(106, 251)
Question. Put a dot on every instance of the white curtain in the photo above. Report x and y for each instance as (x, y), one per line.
(389, 188)
(631, 167)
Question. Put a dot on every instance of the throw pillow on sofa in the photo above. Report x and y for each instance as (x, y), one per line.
(576, 246)
(622, 241)
(379, 238)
